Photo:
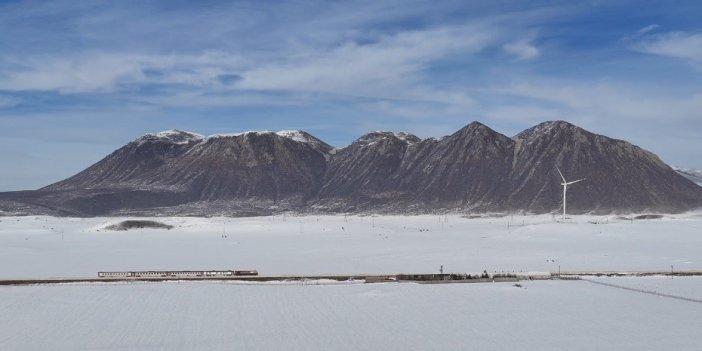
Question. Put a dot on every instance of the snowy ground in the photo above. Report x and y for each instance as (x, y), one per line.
(543, 315)
(36, 247)
(40, 247)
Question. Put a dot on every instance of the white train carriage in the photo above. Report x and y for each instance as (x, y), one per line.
(175, 274)
(113, 274)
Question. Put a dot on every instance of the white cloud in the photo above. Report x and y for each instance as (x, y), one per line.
(681, 45)
(106, 72)
(522, 49)
(390, 67)
(647, 29)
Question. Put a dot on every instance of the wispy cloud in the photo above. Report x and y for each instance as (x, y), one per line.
(523, 49)
(108, 72)
(681, 45)
(390, 65)
(648, 28)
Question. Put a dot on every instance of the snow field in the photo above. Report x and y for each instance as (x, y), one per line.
(41, 247)
(543, 315)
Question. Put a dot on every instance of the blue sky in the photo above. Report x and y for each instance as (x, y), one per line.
(79, 79)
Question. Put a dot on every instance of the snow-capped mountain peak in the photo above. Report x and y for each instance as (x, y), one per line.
(173, 136)
(294, 135)
(234, 135)
(373, 137)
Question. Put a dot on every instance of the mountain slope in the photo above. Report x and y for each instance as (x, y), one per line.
(619, 176)
(692, 174)
(175, 168)
(365, 172)
(468, 169)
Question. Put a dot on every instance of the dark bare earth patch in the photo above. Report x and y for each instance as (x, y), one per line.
(138, 224)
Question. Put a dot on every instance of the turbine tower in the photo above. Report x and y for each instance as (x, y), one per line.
(565, 188)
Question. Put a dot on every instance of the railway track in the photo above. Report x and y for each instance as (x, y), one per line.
(166, 279)
(354, 277)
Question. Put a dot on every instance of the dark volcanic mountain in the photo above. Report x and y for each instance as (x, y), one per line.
(475, 169)
(365, 172)
(175, 168)
(619, 175)
(466, 170)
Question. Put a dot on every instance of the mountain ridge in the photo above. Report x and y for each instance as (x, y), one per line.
(475, 169)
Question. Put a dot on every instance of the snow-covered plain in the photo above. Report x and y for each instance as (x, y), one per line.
(318, 315)
(542, 315)
(42, 247)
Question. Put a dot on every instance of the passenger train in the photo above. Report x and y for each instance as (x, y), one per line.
(177, 274)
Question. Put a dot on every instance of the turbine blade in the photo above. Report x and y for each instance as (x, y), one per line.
(562, 177)
(575, 181)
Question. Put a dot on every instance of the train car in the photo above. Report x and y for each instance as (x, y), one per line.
(218, 273)
(246, 272)
(175, 274)
(113, 274)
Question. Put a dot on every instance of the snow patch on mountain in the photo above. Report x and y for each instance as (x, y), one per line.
(296, 135)
(175, 133)
(234, 135)
(304, 137)
(374, 137)
(173, 136)
(410, 139)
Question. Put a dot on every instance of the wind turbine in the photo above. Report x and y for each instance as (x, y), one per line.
(565, 188)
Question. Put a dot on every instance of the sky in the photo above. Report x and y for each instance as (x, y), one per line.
(79, 79)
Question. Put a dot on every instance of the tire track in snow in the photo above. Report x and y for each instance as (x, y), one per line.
(650, 292)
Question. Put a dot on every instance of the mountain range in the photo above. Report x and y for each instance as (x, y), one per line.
(474, 170)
